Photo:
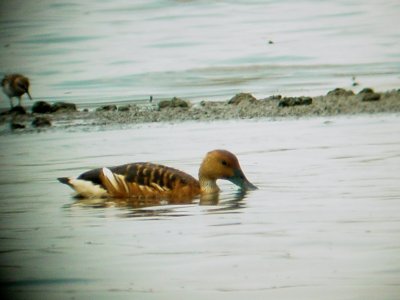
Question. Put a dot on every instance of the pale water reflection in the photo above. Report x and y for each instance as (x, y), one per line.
(324, 223)
(148, 206)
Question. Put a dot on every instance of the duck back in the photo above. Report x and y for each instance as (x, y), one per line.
(142, 180)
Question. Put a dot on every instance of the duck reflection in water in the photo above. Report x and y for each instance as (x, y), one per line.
(214, 203)
(145, 184)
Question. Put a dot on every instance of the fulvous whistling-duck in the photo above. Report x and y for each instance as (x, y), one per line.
(147, 180)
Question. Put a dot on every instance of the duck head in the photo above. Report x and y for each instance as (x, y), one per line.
(221, 164)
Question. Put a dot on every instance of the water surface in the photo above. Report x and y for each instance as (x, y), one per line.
(324, 223)
(90, 52)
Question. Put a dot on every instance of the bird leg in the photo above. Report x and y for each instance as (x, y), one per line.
(11, 102)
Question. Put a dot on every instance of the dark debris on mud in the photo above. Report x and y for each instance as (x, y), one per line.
(241, 106)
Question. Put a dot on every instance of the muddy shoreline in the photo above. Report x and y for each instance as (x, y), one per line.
(241, 106)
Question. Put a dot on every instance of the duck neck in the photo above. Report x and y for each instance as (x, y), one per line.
(208, 186)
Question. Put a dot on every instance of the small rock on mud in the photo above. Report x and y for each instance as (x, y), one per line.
(242, 97)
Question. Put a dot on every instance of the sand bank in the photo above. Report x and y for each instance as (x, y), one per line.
(241, 106)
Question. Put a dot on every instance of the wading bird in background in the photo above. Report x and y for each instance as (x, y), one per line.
(15, 85)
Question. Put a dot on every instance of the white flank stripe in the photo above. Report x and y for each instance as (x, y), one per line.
(110, 176)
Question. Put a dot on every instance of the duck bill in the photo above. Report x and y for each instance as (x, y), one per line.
(29, 95)
(241, 181)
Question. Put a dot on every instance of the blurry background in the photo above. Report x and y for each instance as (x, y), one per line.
(95, 51)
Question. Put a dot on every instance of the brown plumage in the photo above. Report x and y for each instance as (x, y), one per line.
(148, 180)
(15, 85)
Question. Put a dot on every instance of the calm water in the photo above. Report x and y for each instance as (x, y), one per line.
(323, 225)
(100, 51)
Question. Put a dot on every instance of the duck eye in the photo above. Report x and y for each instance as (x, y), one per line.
(224, 162)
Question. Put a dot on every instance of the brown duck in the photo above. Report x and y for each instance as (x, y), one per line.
(148, 180)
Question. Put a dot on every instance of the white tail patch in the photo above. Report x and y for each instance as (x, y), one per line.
(87, 189)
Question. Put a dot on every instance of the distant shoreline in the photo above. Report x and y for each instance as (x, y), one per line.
(241, 106)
